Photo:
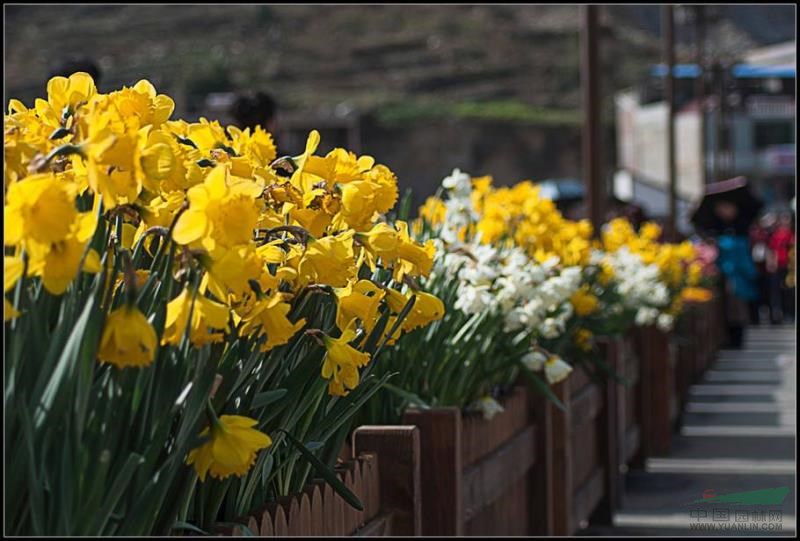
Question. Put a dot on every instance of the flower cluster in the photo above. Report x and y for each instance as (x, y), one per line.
(649, 276)
(201, 239)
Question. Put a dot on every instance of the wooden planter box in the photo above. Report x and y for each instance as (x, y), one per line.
(384, 475)
(478, 475)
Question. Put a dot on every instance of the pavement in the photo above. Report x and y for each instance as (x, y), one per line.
(737, 435)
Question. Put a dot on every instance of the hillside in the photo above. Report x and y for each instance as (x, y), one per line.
(409, 59)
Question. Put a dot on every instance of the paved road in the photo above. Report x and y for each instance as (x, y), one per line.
(738, 435)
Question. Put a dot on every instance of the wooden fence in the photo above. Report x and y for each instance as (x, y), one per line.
(533, 469)
(390, 494)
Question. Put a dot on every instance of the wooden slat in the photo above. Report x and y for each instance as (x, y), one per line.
(506, 516)
(578, 379)
(586, 405)
(305, 515)
(317, 510)
(279, 525)
(293, 519)
(397, 488)
(480, 437)
(252, 523)
(632, 443)
(585, 455)
(329, 514)
(483, 483)
(267, 529)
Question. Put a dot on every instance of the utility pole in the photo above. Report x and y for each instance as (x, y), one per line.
(700, 86)
(594, 183)
(722, 140)
(668, 51)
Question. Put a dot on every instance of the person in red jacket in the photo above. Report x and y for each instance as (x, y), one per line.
(780, 242)
(759, 241)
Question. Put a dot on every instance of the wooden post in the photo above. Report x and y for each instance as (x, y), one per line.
(700, 85)
(440, 444)
(561, 462)
(614, 434)
(657, 391)
(398, 449)
(543, 478)
(593, 179)
(668, 45)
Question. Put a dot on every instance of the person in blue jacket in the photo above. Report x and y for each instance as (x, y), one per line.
(738, 272)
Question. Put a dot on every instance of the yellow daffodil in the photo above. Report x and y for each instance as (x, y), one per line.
(40, 209)
(583, 338)
(13, 267)
(222, 211)
(696, 294)
(426, 309)
(128, 339)
(584, 302)
(206, 314)
(412, 258)
(433, 211)
(231, 449)
(342, 361)
(269, 317)
(329, 260)
(360, 300)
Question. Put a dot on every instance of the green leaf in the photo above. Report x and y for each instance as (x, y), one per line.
(65, 363)
(115, 492)
(327, 474)
(266, 398)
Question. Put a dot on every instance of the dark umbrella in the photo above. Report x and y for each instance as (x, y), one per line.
(735, 191)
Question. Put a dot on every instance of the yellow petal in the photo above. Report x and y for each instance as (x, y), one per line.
(92, 263)
(158, 161)
(191, 226)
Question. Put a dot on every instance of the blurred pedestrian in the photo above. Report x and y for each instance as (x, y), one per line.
(781, 241)
(759, 247)
(75, 64)
(737, 271)
(254, 109)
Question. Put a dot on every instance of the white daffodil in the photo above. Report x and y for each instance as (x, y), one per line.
(489, 407)
(556, 370)
(534, 360)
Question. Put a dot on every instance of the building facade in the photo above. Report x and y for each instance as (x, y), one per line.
(753, 135)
